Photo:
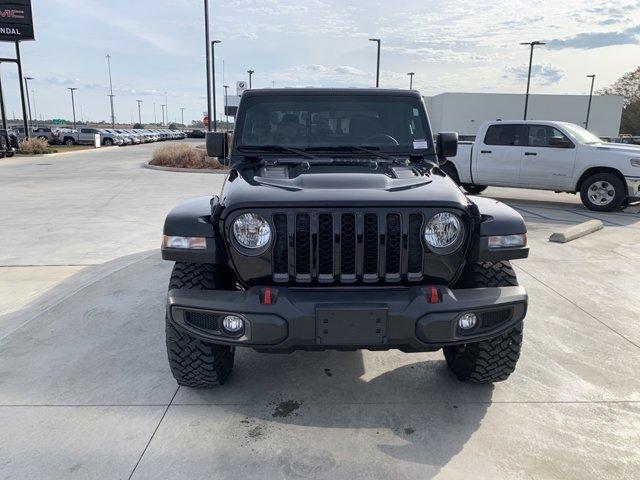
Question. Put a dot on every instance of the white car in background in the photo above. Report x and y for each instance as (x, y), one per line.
(548, 155)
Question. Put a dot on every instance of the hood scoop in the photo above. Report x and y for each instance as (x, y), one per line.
(343, 181)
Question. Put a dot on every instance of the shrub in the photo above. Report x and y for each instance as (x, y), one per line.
(182, 155)
(34, 146)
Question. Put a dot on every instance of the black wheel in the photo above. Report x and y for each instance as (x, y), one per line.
(69, 141)
(195, 363)
(108, 142)
(474, 189)
(491, 360)
(603, 192)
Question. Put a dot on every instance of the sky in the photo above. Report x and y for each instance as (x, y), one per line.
(157, 46)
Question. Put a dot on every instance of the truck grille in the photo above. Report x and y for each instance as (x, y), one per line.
(347, 246)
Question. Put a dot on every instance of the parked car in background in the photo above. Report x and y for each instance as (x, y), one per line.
(196, 134)
(46, 133)
(9, 143)
(549, 155)
(109, 138)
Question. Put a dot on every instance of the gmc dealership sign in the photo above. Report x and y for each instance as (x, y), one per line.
(16, 21)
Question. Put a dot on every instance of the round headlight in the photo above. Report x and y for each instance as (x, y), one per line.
(443, 230)
(251, 230)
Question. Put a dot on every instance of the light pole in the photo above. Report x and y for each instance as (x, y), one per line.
(526, 98)
(411, 74)
(377, 40)
(73, 105)
(163, 105)
(26, 82)
(213, 84)
(250, 72)
(182, 115)
(207, 55)
(593, 79)
(113, 117)
(226, 115)
(155, 116)
(166, 106)
(139, 113)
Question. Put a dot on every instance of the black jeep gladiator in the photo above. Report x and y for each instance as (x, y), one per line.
(337, 229)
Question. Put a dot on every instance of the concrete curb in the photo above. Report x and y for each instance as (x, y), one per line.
(56, 154)
(184, 170)
(576, 231)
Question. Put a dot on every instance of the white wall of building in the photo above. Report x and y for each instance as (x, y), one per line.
(464, 112)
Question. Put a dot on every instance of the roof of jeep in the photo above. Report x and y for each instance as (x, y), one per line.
(330, 91)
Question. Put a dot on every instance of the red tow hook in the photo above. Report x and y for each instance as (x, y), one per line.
(434, 295)
(266, 299)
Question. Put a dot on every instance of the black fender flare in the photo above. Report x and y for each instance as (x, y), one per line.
(195, 218)
(496, 219)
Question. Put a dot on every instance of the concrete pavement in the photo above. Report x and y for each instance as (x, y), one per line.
(85, 389)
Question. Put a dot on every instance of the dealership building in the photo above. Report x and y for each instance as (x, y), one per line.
(465, 112)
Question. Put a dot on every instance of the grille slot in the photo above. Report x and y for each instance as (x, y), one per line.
(303, 247)
(393, 245)
(280, 250)
(348, 246)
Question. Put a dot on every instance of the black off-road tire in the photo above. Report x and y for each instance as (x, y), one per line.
(494, 359)
(473, 189)
(615, 185)
(193, 362)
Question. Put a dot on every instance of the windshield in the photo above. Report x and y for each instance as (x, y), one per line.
(389, 123)
(581, 134)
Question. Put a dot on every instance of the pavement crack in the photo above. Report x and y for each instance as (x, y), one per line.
(153, 434)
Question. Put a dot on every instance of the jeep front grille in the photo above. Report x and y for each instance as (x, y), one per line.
(347, 246)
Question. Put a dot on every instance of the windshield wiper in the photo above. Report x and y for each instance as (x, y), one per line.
(352, 148)
(274, 148)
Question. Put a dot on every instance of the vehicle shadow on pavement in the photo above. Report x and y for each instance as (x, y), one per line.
(405, 406)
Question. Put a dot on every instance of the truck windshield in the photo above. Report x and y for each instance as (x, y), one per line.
(394, 124)
(581, 134)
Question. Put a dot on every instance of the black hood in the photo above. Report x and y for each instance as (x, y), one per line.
(397, 186)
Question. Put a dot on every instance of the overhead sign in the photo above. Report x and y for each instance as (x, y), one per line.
(241, 86)
(16, 21)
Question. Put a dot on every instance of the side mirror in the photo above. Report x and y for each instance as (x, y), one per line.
(559, 142)
(217, 145)
(446, 146)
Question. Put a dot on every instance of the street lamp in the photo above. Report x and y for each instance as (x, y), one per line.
(411, 74)
(166, 105)
(213, 83)
(26, 82)
(250, 72)
(526, 98)
(593, 79)
(206, 41)
(139, 113)
(226, 115)
(182, 115)
(113, 117)
(73, 105)
(377, 40)
(163, 107)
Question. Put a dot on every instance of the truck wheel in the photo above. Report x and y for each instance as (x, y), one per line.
(494, 359)
(474, 189)
(195, 363)
(108, 142)
(603, 192)
(69, 141)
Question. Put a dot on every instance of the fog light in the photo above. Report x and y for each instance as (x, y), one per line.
(467, 321)
(232, 323)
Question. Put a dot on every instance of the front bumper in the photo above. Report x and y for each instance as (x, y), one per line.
(375, 319)
(633, 187)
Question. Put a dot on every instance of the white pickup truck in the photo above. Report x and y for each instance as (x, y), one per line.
(546, 155)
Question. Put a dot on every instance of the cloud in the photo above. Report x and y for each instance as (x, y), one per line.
(585, 41)
(543, 74)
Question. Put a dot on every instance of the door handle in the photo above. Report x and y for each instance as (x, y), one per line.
(485, 151)
(530, 153)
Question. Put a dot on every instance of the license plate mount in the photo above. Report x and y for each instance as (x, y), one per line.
(351, 325)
